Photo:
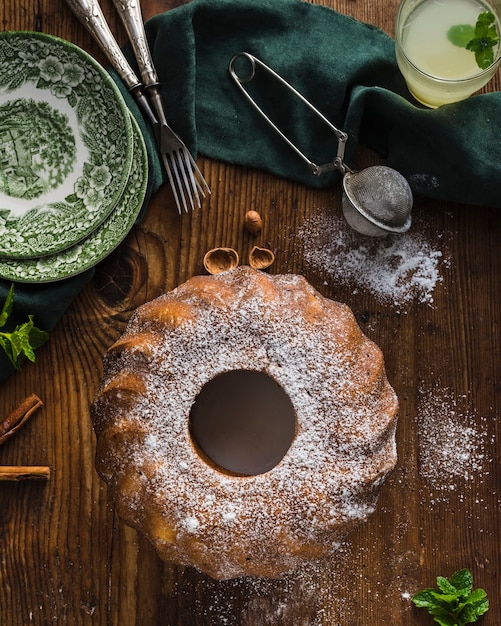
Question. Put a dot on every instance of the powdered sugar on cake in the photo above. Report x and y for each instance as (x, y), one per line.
(344, 446)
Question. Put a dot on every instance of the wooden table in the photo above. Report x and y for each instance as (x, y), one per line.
(66, 558)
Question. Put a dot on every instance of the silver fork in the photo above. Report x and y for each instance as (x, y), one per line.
(187, 182)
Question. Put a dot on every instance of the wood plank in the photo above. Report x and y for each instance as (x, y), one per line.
(65, 556)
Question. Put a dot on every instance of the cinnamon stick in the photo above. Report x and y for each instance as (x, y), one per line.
(19, 416)
(24, 472)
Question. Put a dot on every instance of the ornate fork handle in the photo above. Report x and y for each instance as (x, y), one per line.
(90, 14)
(130, 14)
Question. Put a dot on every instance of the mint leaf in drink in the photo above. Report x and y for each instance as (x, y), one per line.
(461, 35)
(480, 39)
(454, 603)
(485, 39)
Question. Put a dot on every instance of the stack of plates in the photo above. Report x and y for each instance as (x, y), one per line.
(73, 163)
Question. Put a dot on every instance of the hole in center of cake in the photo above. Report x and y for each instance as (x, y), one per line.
(243, 422)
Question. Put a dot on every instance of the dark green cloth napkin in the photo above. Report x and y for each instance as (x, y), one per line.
(347, 69)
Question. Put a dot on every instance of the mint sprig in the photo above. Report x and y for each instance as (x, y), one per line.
(454, 603)
(22, 342)
(480, 39)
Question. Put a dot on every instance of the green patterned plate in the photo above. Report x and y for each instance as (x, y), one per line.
(98, 244)
(65, 144)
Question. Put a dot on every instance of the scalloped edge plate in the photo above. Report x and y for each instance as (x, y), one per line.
(101, 242)
(65, 144)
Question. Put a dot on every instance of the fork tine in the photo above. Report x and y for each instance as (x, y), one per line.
(201, 183)
(186, 176)
(194, 187)
(187, 182)
(182, 177)
(171, 174)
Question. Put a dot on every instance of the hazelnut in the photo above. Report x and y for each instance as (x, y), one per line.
(220, 260)
(261, 258)
(253, 222)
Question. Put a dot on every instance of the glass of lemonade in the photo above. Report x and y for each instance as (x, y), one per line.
(431, 38)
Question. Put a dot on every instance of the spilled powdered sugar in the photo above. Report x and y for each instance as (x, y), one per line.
(451, 447)
(397, 269)
(305, 597)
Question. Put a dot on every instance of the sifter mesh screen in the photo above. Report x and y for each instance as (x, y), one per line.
(382, 194)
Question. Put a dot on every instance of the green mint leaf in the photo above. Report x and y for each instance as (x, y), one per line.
(480, 39)
(37, 337)
(471, 612)
(446, 621)
(445, 585)
(454, 603)
(7, 347)
(461, 35)
(21, 343)
(485, 26)
(7, 307)
(462, 579)
(22, 334)
(444, 607)
(484, 53)
(425, 599)
(476, 596)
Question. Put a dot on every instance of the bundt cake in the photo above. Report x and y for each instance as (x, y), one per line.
(244, 423)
